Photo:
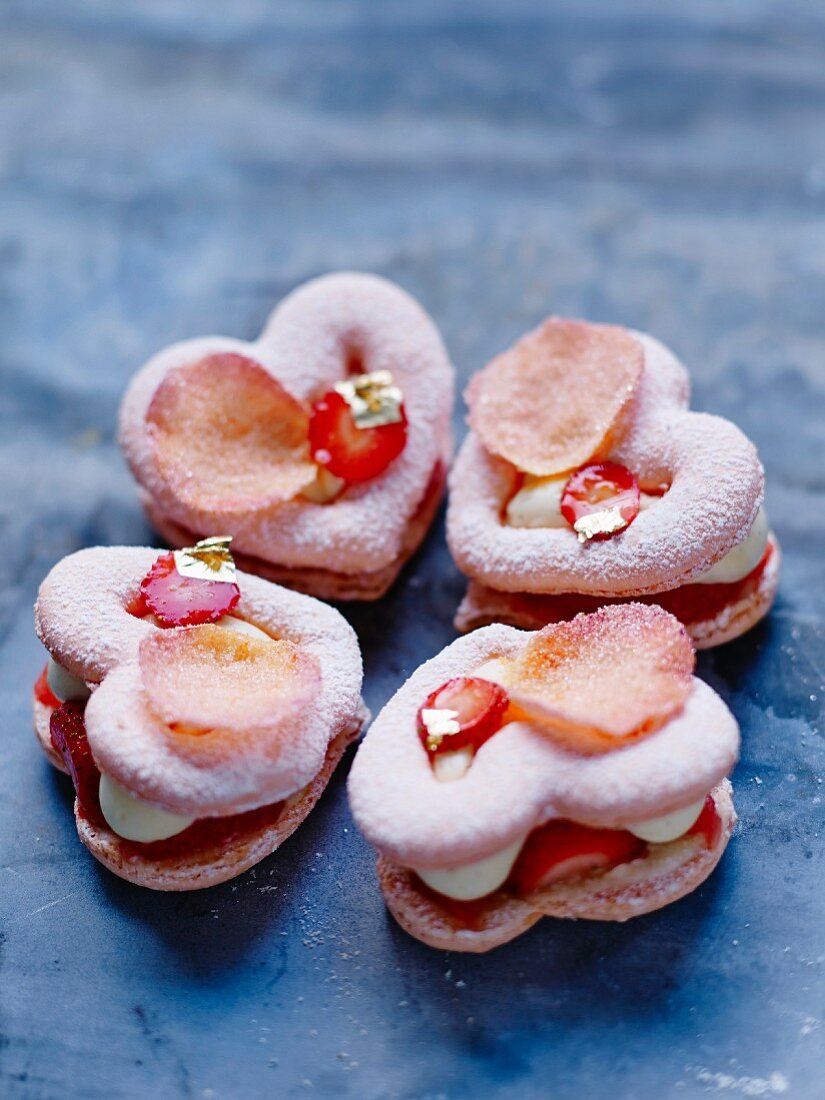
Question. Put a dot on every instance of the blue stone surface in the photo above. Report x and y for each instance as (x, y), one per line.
(170, 169)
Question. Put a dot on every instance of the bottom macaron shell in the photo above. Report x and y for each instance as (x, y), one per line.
(629, 890)
(421, 913)
(668, 872)
(482, 606)
(208, 865)
(213, 864)
(325, 584)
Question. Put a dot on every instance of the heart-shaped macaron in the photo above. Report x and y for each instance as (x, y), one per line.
(230, 725)
(586, 474)
(606, 739)
(218, 435)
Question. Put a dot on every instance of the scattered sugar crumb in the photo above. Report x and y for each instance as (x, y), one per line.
(774, 1085)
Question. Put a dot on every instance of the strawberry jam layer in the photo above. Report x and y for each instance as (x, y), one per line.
(691, 603)
(564, 851)
(68, 733)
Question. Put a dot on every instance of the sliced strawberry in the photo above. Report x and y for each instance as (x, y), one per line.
(185, 601)
(350, 452)
(42, 692)
(601, 487)
(564, 850)
(708, 824)
(68, 734)
(475, 706)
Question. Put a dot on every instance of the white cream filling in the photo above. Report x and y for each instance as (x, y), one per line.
(493, 670)
(63, 684)
(538, 504)
(449, 766)
(742, 559)
(473, 880)
(661, 830)
(133, 819)
(227, 622)
(325, 488)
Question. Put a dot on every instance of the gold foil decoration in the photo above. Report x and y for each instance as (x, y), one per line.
(606, 522)
(208, 560)
(439, 723)
(374, 398)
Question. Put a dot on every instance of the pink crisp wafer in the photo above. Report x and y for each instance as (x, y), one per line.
(553, 400)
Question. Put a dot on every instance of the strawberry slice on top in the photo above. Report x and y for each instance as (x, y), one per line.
(600, 500)
(565, 850)
(177, 600)
(348, 450)
(466, 710)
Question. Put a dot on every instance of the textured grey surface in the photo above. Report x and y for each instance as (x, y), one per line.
(169, 169)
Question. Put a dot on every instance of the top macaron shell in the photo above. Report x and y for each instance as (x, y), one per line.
(716, 486)
(521, 777)
(305, 346)
(83, 617)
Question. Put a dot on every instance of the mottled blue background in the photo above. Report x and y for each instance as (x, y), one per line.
(169, 169)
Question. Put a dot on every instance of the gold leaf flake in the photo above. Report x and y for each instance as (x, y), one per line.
(606, 522)
(208, 560)
(439, 723)
(374, 398)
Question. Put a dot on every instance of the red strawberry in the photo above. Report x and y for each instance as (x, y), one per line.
(185, 601)
(565, 850)
(708, 824)
(478, 708)
(350, 452)
(68, 734)
(42, 692)
(601, 487)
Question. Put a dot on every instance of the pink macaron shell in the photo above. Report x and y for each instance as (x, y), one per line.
(716, 489)
(80, 615)
(307, 345)
(521, 777)
(83, 620)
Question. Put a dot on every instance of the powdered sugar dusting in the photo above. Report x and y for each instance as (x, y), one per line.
(306, 345)
(521, 777)
(716, 487)
(82, 618)
(775, 1084)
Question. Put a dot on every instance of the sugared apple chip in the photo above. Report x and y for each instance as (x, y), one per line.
(228, 437)
(550, 403)
(205, 679)
(602, 680)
